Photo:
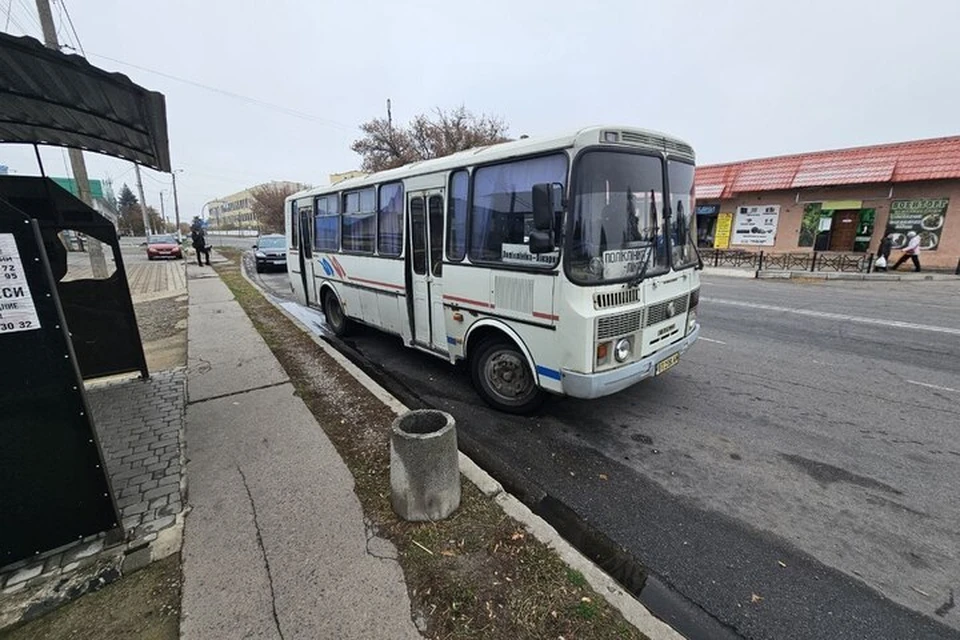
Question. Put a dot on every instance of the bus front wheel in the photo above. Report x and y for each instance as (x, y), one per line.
(336, 318)
(503, 378)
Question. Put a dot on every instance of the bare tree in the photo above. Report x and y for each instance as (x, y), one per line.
(428, 136)
(268, 202)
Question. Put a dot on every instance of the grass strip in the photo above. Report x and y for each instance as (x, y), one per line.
(477, 574)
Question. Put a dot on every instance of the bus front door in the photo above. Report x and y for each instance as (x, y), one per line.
(425, 269)
(306, 254)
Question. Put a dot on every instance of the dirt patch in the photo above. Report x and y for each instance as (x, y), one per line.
(478, 574)
(163, 330)
(161, 318)
(144, 606)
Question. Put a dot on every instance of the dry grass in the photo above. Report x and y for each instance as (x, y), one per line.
(478, 574)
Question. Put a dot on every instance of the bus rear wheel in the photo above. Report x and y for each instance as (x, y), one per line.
(336, 318)
(503, 378)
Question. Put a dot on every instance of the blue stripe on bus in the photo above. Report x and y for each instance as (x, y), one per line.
(549, 373)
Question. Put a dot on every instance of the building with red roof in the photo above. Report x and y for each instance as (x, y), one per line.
(841, 200)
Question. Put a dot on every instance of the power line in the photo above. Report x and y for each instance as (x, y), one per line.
(26, 8)
(76, 38)
(269, 105)
(15, 22)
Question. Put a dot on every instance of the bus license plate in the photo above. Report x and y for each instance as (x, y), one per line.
(667, 363)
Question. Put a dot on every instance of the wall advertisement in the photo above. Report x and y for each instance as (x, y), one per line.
(923, 215)
(721, 239)
(756, 226)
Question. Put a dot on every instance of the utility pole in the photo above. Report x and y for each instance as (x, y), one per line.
(163, 214)
(176, 201)
(389, 115)
(143, 201)
(97, 262)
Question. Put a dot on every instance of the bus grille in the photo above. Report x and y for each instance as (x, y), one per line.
(670, 146)
(615, 298)
(665, 310)
(618, 325)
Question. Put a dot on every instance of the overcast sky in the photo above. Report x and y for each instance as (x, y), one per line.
(736, 78)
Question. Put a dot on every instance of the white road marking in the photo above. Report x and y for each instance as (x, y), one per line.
(714, 341)
(933, 386)
(898, 324)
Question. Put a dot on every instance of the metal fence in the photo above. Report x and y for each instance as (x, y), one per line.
(796, 261)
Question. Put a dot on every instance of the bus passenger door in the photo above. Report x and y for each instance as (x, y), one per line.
(295, 266)
(424, 264)
(306, 253)
(438, 324)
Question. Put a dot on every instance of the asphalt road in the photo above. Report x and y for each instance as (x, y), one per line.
(794, 477)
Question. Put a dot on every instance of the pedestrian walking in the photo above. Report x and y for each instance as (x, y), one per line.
(883, 253)
(911, 251)
(200, 244)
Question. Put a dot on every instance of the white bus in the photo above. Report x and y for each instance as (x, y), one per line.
(563, 265)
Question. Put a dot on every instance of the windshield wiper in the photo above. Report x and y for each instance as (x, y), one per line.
(633, 282)
(636, 280)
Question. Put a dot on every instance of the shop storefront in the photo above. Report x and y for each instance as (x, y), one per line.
(707, 224)
(838, 201)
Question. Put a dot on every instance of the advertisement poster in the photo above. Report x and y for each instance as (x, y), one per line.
(923, 215)
(17, 312)
(756, 226)
(721, 240)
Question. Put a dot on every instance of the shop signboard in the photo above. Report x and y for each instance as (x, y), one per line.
(708, 209)
(721, 240)
(923, 215)
(756, 226)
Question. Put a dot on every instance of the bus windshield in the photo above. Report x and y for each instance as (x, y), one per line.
(616, 233)
(683, 220)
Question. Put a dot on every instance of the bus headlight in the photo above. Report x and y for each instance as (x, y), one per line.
(623, 349)
(691, 320)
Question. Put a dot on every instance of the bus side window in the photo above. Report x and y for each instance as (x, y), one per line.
(502, 203)
(327, 229)
(390, 220)
(457, 217)
(294, 226)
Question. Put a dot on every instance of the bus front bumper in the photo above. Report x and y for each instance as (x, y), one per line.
(597, 385)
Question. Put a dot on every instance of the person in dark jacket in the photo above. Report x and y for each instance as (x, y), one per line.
(883, 251)
(200, 244)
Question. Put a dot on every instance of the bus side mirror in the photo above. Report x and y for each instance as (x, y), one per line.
(541, 242)
(543, 208)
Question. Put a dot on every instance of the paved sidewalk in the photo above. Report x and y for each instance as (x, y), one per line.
(147, 280)
(275, 543)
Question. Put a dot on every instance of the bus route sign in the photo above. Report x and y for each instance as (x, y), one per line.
(17, 311)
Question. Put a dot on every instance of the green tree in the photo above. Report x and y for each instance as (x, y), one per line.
(131, 222)
(385, 146)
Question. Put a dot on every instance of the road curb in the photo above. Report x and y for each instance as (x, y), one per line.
(632, 610)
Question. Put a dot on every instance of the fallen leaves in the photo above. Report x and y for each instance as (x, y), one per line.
(755, 598)
(603, 476)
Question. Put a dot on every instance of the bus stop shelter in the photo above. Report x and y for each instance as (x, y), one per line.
(54, 333)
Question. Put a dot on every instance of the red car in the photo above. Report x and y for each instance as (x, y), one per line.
(163, 246)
